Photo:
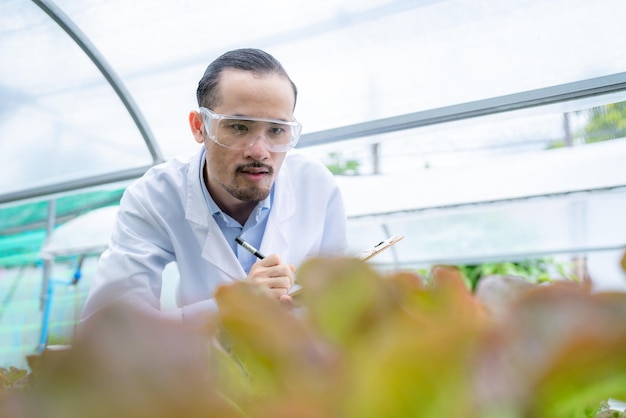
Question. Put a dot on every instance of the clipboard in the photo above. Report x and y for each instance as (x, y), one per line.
(381, 246)
(364, 255)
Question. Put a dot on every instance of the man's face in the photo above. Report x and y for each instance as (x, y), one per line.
(234, 176)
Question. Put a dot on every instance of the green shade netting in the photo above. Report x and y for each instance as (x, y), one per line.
(23, 227)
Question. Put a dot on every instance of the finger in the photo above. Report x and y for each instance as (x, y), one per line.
(283, 282)
(282, 272)
(278, 293)
(270, 273)
(269, 261)
(286, 300)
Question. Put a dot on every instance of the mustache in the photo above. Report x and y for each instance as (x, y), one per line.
(254, 165)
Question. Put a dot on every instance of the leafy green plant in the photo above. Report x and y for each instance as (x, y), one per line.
(13, 377)
(534, 270)
(606, 122)
(359, 344)
(338, 166)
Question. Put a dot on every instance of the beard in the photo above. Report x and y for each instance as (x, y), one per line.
(247, 194)
(254, 193)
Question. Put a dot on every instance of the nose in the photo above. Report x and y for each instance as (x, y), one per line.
(258, 150)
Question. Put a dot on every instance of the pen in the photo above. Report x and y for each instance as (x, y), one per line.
(294, 289)
(249, 248)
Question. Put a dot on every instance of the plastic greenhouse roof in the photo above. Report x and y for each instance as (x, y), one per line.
(353, 62)
(96, 92)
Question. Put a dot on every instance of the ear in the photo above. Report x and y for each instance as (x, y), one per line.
(195, 123)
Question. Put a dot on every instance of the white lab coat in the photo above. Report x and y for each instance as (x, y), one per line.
(163, 217)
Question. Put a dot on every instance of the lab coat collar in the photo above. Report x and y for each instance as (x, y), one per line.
(196, 210)
(215, 249)
(283, 207)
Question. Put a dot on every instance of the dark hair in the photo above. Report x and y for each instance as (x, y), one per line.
(246, 59)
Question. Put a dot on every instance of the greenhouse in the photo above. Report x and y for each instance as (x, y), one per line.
(490, 135)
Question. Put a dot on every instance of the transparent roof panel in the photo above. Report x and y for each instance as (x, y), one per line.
(475, 141)
(545, 227)
(59, 118)
(352, 62)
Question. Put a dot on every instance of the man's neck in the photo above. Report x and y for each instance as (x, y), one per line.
(242, 212)
(239, 210)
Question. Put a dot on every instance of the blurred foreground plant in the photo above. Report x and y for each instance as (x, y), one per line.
(361, 345)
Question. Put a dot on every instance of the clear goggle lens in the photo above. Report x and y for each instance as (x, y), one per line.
(239, 132)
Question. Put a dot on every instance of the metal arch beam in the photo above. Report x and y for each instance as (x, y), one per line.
(51, 190)
(107, 71)
(540, 97)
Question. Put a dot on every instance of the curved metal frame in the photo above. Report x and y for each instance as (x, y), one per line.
(107, 71)
(118, 86)
(527, 99)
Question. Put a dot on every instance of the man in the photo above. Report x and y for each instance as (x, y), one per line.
(242, 183)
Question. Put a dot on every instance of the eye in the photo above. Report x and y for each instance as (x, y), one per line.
(239, 127)
(279, 131)
(276, 131)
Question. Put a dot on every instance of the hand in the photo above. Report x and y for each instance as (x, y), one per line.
(270, 274)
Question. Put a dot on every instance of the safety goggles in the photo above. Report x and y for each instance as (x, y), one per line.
(238, 132)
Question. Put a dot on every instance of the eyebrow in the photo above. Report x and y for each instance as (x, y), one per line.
(254, 117)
